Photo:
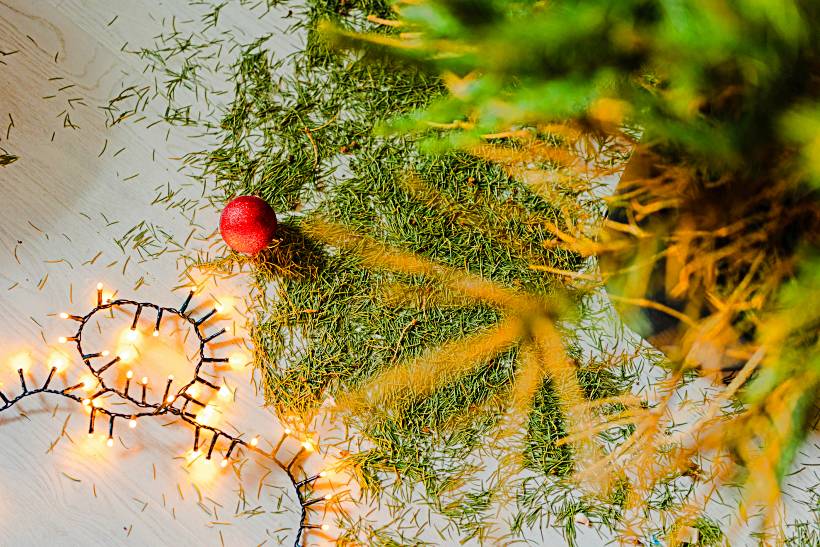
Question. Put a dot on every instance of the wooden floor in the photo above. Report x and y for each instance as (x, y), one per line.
(72, 192)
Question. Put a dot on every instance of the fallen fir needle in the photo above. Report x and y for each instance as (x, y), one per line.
(69, 477)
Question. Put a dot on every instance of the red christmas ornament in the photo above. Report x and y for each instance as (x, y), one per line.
(247, 224)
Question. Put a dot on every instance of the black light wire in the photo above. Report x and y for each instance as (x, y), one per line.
(165, 406)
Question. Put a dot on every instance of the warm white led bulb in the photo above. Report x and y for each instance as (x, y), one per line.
(21, 361)
(58, 361)
(132, 423)
(223, 305)
(237, 360)
(127, 354)
(207, 415)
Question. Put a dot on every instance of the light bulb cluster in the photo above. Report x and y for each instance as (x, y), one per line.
(97, 390)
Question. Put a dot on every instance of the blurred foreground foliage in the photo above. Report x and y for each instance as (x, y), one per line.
(710, 247)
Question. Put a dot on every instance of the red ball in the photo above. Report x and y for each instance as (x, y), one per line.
(247, 224)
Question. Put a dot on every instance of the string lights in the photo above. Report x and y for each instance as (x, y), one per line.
(176, 402)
